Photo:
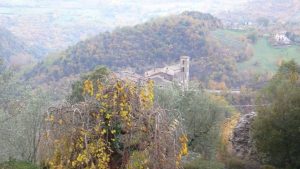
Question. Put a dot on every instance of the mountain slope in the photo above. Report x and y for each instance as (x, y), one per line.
(156, 43)
(153, 44)
(13, 51)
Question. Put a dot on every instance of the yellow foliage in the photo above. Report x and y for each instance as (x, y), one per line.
(50, 118)
(226, 131)
(183, 140)
(91, 147)
(124, 113)
(138, 160)
(89, 139)
(147, 95)
(88, 87)
(184, 148)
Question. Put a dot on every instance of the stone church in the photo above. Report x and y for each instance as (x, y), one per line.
(178, 73)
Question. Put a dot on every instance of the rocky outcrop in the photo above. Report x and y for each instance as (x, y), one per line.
(242, 143)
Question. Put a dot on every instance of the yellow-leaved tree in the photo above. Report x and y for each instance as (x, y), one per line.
(117, 126)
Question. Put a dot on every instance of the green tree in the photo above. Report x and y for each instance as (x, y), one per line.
(276, 129)
(21, 116)
(252, 37)
(100, 73)
(202, 115)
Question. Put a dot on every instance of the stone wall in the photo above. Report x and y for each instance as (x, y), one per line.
(242, 144)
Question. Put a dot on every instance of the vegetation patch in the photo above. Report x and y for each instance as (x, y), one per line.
(267, 58)
(203, 164)
(17, 165)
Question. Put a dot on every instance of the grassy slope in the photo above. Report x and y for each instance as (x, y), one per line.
(17, 165)
(264, 53)
(268, 56)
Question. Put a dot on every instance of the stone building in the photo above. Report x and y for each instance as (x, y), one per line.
(178, 73)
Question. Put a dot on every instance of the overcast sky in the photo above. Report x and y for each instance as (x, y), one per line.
(197, 4)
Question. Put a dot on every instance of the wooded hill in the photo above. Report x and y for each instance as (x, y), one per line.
(14, 51)
(155, 43)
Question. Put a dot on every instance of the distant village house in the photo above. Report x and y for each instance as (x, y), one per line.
(281, 39)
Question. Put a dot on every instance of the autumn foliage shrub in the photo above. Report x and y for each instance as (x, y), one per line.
(117, 126)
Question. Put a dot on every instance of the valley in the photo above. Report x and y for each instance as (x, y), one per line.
(149, 84)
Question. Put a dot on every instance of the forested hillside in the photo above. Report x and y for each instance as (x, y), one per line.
(152, 44)
(14, 51)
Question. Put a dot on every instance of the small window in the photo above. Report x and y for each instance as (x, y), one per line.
(183, 69)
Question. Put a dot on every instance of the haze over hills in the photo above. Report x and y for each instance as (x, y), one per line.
(281, 11)
(230, 56)
(57, 24)
(156, 84)
(14, 51)
(155, 43)
(53, 25)
(60, 24)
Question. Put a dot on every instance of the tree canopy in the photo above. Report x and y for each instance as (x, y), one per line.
(276, 127)
(116, 125)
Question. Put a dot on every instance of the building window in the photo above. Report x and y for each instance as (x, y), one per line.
(183, 69)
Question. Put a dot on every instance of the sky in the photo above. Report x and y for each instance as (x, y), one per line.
(200, 4)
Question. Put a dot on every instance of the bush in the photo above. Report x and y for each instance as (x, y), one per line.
(202, 114)
(203, 164)
(267, 167)
(276, 127)
(17, 165)
(252, 37)
(237, 163)
(115, 127)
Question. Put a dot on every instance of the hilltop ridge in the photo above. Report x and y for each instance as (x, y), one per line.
(155, 43)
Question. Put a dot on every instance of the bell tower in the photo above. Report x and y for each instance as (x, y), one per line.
(185, 71)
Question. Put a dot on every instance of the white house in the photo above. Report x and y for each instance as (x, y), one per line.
(281, 38)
